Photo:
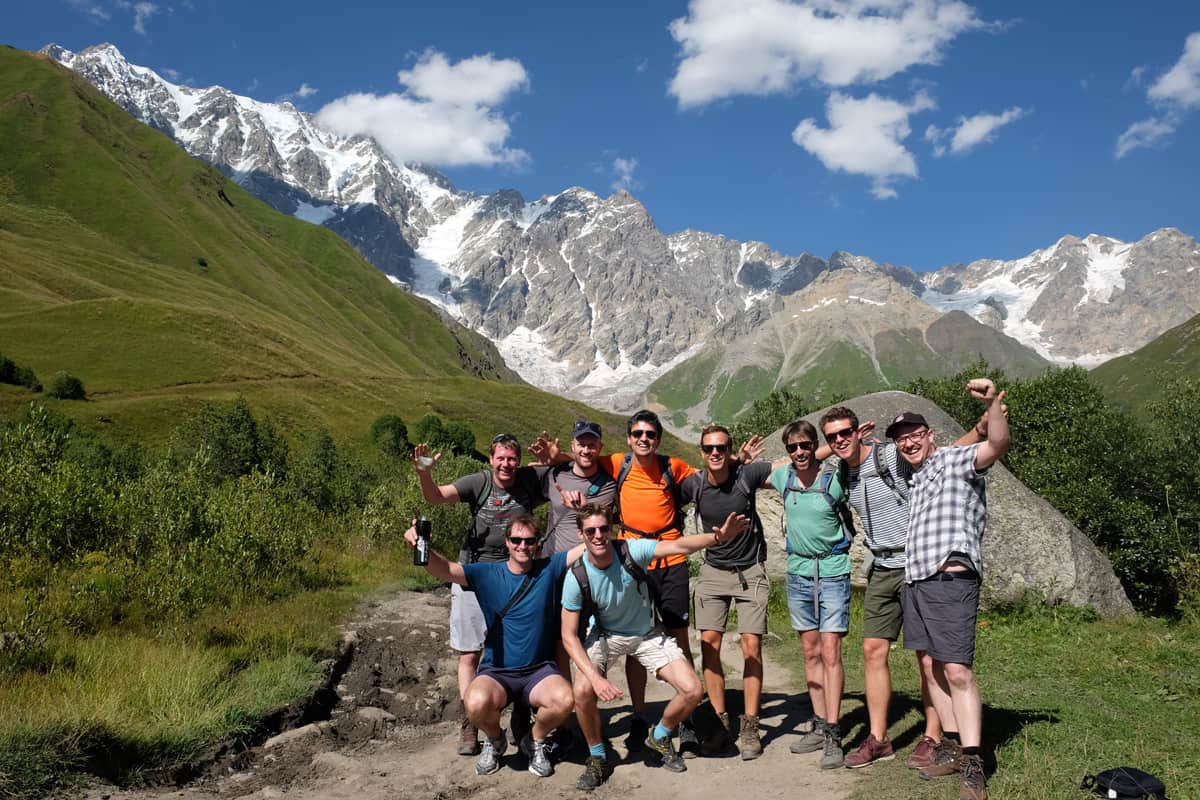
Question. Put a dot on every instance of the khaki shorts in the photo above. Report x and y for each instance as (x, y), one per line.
(883, 609)
(467, 626)
(719, 589)
(653, 651)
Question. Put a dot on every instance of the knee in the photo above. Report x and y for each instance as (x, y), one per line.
(875, 651)
(959, 676)
(477, 703)
(561, 701)
(692, 692)
(831, 656)
(752, 647)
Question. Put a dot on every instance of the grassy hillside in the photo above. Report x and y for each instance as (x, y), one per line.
(161, 284)
(1138, 378)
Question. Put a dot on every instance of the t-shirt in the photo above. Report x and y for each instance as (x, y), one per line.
(948, 514)
(646, 502)
(884, 517)
(714, 504)
(563, 529)
(622, 607)
(811, 525)
(527, 633)
(485, 538)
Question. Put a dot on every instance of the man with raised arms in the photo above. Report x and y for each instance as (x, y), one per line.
(616, 596)
(942, 572)
(573, 484)
(496, 496)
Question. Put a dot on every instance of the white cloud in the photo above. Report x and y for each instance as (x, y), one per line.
(624, 169)
(142, 11)
(1136, 76)
(173, 74)
(864, 138)
(90, 7)
(1175, 93)
(446, 115)
(305, 91)
(760, 47)
(970, 131)
(1146, 133)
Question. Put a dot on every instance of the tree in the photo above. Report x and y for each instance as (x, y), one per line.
(390, 435)
(428, 430)
(65, 386)
(458, 437)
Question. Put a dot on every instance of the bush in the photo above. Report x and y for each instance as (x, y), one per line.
(16, 375)
(428, 430)
(234, 442)
(459, 438)
(390, 435)
(65, 386)
(766, 415)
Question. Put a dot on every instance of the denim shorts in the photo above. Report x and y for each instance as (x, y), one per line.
(834, 597)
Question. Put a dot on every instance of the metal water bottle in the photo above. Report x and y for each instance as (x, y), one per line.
(421, 549)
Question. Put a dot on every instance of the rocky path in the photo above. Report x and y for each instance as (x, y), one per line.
(392, 736)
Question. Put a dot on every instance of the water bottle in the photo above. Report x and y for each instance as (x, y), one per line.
(421, 550)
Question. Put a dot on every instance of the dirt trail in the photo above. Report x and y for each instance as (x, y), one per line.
(392, 735)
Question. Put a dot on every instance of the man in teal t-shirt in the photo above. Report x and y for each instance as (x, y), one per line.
(818, 583)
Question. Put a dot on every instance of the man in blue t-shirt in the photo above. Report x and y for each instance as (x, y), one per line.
(519, 599)
(625, 625)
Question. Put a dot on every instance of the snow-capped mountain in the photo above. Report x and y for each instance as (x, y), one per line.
(584, 295)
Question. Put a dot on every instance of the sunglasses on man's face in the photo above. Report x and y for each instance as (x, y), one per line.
(592, 530)
(715, 448)
(840, 433)
(523, 541)
(805, 445)
(642, 434)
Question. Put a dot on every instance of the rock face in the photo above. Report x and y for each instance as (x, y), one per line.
(1028, 547)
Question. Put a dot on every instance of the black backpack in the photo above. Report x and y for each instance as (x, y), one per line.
(526, 491)
(625, 558)
(664, 466)
(1125, 783)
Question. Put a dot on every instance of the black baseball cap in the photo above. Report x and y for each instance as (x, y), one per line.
(907, 418)
(583, 427)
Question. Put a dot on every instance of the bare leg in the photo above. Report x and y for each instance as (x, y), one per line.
(752, 673)
(835, 675)
(714, 671)
(635, 676)
(587, 710)
(814, 670)
(933, 723)
(964, 696)
(682, 677)
(554, 703)
(468, 665)
(484, 700)
(878, 684)
(939, 693)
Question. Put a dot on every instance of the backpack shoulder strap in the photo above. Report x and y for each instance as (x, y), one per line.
(885, 473)
(587, 607)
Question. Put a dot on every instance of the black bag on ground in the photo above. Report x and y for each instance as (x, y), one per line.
(1125, 783)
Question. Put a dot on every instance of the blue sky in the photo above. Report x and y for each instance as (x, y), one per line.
(917, 132)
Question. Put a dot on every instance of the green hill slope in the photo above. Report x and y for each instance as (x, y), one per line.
(161, 284)
(1137, 378)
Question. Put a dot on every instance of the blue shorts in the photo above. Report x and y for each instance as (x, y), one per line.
(834, 597)
(520, 682)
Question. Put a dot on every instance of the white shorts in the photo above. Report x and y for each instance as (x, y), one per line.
(653, 651)
(467, 628)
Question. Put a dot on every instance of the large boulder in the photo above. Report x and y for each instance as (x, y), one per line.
(1029, 547)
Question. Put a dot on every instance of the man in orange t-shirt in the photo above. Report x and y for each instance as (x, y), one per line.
(648, 508)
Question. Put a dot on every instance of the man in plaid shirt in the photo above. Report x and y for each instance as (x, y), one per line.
(944, 565)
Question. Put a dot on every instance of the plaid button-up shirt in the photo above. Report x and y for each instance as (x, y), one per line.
(947, 512)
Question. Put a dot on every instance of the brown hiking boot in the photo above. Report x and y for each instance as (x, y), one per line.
(870, 751)
(748, 739)
(974, 783)
(922, 754)
(468, 738)
(946, 758)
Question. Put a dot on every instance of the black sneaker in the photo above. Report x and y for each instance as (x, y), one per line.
(666, 752)
(689, 743)
(638, 731)
(595, 772)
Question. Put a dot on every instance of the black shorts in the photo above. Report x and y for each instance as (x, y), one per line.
(519, 683)
(939, 616)
(670, 586)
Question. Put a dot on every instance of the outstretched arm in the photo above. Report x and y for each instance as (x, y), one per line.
(996, 445)
(686, 545)
(439, 566)
(424, 464)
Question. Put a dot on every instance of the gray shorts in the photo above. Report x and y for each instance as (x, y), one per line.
(467, 627)
(939, 616)
(719, 589)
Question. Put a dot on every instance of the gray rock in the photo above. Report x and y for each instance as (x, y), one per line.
(1029, 547)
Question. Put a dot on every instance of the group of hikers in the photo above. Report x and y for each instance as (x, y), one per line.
(609, 578)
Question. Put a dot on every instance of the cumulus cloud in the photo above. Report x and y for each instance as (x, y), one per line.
(865, 137)
(446, 114)
(624, 168)
(760, 47)
(970, 131)
(1174, 94)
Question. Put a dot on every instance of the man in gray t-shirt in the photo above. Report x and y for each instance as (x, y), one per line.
(733, 575)
(574, 484)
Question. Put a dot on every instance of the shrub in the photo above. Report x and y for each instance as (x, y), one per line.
(767, 414)
(459, 438)
(428, 430)
(65, 386)
(390, 435)
(16, 375)
(235, 443)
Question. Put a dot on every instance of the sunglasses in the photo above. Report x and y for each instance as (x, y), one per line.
(715, 448)
(527, 541)
(503, 437)
(794, 446)
(651, 435)
(840, 433)
(913, 437)
(590, 531)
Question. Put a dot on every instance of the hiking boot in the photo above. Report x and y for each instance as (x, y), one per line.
(689, 743)
(748, 740)
(468, 738)
(869, 752)
(974, 783)
(638, 731)
(922, 754)
(833, 757)
(489, 755)
(946, 757)
(666, 751)
(721, 740)
(539, 759)
(595, 772)
(812, 741)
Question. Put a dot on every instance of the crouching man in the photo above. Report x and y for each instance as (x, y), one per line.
(519, 599)
(609, 584)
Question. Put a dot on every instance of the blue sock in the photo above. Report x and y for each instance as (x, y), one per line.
(660, 732)
(597, 750)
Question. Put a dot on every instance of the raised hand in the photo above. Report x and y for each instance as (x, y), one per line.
(734, 525)
(422, 460)
(866, 429)
(751, 449)
(982, 389)
(572, 500)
